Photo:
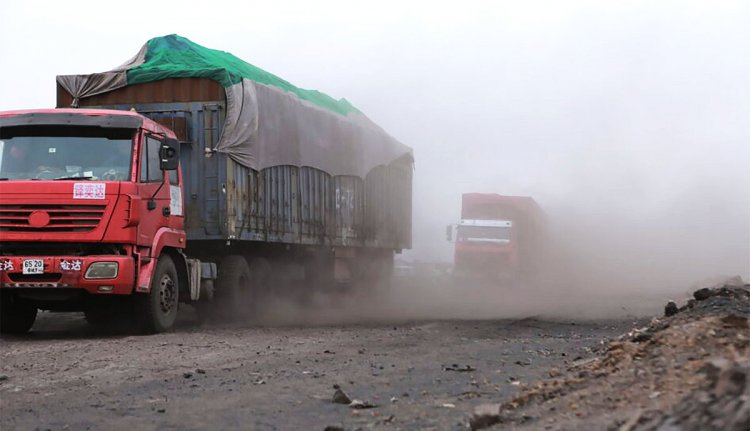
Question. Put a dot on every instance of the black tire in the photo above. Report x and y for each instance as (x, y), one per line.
(16, 317)
(233, 291)
(156, 311)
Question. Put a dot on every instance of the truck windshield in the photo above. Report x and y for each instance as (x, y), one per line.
(483, 234)
(60, 153)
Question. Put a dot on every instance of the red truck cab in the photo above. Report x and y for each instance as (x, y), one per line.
(497, 238)
(89, 201)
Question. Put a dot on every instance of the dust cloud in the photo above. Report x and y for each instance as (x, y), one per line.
(626, 123)
(635, 143)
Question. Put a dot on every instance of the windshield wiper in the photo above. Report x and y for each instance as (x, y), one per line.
(72, 178)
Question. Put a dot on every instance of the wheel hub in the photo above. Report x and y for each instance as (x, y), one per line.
(167, 294)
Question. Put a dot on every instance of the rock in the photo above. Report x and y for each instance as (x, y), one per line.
(187, 375)
(200, 371)
(714, 367)
(359, 405)
(484, 416)
(333, 428)
(388, 420)
(671, 309)
(3, 377)
(339, 397)
(704, 293)
(731, 381)
(460, 369)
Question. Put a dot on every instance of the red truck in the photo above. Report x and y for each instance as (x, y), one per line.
(190, 176)
(498, 238)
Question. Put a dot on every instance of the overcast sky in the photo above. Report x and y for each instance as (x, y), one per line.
(628, 113)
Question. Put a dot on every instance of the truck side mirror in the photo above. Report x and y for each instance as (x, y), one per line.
(449, 232)
(169, 155)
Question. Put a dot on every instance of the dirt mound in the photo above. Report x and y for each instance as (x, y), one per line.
(687, 370)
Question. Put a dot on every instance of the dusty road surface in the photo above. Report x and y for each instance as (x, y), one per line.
(423, 357)
(419, 374)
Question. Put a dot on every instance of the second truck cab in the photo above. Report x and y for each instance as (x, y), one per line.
(497, 237)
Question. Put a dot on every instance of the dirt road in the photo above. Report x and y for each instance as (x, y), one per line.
(421, 375)
(424, 355)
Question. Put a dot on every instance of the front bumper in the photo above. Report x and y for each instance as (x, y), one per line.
(68, 272)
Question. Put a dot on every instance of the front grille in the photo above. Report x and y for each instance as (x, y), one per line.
(62, 218)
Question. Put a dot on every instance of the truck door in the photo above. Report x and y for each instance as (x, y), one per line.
(156, 189)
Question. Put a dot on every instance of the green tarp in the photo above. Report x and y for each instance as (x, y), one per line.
(174, 56)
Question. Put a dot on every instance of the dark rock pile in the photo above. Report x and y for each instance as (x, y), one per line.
(687, 370)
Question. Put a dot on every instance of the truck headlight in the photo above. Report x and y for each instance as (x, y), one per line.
(101, 270)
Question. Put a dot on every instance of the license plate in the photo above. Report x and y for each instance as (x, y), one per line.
(33, 266)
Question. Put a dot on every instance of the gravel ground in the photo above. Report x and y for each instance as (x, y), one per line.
(425, 356)
(419, 374)
(688, 370)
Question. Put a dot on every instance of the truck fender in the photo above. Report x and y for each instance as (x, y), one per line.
(165, 237)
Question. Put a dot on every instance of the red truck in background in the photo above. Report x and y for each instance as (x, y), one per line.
(498, 238)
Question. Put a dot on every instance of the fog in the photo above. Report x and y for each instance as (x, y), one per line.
(628, 122)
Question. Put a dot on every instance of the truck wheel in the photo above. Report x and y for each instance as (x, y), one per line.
(233, 287)
(16, 317)
(156, 311)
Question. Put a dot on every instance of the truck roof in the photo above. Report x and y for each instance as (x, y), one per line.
(137, 120)
(493, 205)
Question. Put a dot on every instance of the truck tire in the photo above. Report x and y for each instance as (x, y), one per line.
(233, 292)
(16, 317)
(156, 311)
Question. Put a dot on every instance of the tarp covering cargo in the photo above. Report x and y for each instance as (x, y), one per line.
(269, 121)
